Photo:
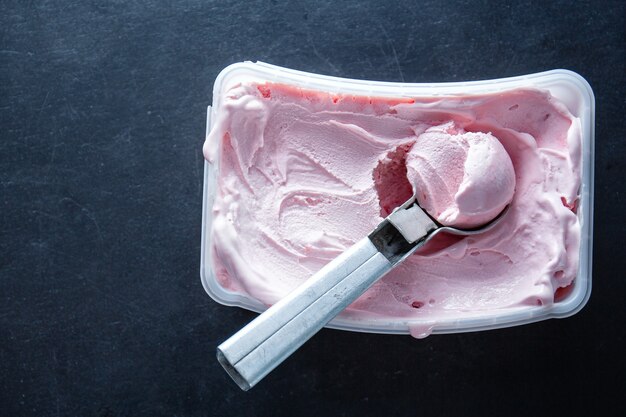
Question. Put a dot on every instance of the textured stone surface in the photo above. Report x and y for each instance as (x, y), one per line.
(102, 113)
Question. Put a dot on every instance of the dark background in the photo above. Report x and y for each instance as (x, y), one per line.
(102, 111)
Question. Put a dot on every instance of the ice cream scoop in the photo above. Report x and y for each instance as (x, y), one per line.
(462, 179)
(263, 344)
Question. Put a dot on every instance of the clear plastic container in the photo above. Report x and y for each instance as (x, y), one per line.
(567, 86)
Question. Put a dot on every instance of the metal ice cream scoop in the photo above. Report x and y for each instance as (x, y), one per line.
(269, 339)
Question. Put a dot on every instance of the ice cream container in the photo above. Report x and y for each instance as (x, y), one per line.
(568, 87)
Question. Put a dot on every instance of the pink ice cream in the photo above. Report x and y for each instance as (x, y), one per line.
(303, 175)
(462, 179)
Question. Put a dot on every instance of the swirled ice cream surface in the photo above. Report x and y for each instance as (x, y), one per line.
(302, 175)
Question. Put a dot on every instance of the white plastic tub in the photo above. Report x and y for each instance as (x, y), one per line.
(567, 86)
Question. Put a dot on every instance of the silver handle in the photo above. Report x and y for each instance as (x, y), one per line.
(264, 343)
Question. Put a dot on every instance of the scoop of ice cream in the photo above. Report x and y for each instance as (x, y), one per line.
(462, 179)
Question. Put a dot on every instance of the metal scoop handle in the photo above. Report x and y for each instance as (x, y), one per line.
(264, 343)
(269, 339)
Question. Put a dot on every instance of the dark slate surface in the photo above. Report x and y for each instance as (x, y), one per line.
(102, 111)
